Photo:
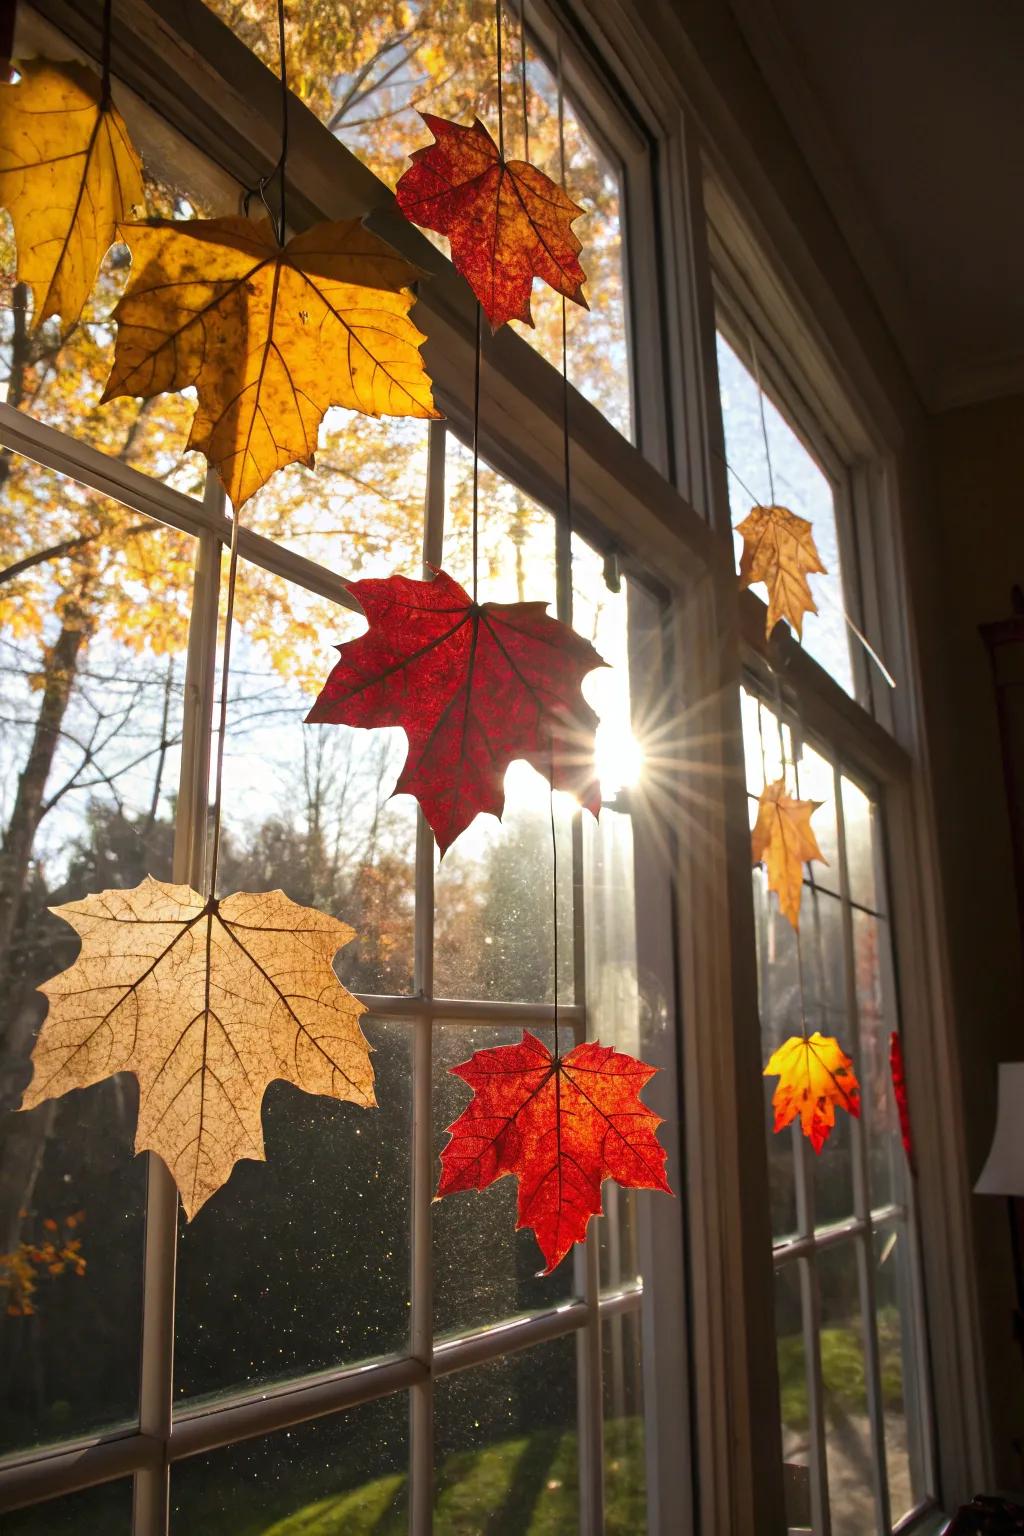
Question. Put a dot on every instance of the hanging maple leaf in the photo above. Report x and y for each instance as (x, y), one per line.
(784, 840)
(474, 686)
(207, 1002)
(815, 1076)
(899, 1089)
(68, 175)
(779, 549)
(507, 222)
(270, 335)
(562, 1126)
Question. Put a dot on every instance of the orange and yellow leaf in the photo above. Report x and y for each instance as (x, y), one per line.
(815, 1077)
(783, 840)
(779, 549)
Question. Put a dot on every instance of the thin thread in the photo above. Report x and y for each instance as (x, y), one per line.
(764, 424)
(282, 225)
(105, 55)
(566, 606)
(229, 615)
(501, 109)
(554, 888)
(476, 446)
(522, 62)
(796, 786)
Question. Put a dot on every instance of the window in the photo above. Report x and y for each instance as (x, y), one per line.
(338, 1344)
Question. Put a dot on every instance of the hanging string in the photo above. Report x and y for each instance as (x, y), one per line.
(522, 65)
(764, 424)
(229, 607)
(501, 110)
(105, 54)
(476, 446)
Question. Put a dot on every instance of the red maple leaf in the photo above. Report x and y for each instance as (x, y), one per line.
(507, 222)
(474, 686)
(899, 1088)
(562, 1126)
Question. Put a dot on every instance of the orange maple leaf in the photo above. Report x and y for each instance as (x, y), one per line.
(815, 1075)
(507, 222)
(562, 1125)
(784, 840)
(779, 549)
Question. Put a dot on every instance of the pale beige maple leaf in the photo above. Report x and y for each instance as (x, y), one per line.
(779, 549)
(207, 1002)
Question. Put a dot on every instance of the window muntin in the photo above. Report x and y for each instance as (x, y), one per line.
(799, 483)
(368, 71)
(848, 1312)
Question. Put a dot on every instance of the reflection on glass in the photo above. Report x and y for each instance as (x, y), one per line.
(505, 1445)
(861, 824)
(886, 1159)
(302, 1262)
(844, 1393)
(308, 808)
(106, 1509)
(793, 1396)
(367, 79)
(483, 1268)
(800, 485)
(900, 1368)
(625, 1472)
(340, 1476)
(91, 680)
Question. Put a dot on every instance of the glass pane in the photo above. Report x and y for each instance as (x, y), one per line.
(91, 680)
(505, 1445)
(844, 1392)
(793, 1394)
(107, 1508)
(901, 1368)
(366, 73)
(483, 1268)
(800, 485)
(625, 1470)
(340, 1476)
(493, 889)
(333, 1197)
(60, 379)
(863, 846)
(887, 1168)
(308, 807)
(360, 511)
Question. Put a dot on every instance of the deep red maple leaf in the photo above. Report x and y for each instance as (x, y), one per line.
(474, 686)
(562, 1126)
(899, 1088)
(507, 222)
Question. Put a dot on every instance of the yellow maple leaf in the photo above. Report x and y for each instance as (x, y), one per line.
(68, 176)
(815, 1075)
(270, 335)
(783, 839)
(207, 1002)
(779, 549)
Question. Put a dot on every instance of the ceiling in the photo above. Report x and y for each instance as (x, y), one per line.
(910, 114)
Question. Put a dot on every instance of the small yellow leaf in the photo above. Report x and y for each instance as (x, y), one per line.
(815, 1075)
(779, 549)
(68, 176)
(784, 840)
(271, 336)
(207, 1002)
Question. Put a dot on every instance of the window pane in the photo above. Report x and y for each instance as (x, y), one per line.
(107, 1508)
(483, 1268)
(800, 485)
(494, 934)
(896, 1309)
(887, 1168)
(505, 1445)
(625, 1470)
(302, 1263)
(863, 847)
(343, 1474)
(91, 680)
(844, 1391)
(793, 1394)
(367, 73)
(308, 807)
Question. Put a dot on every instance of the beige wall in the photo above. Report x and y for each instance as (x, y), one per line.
(978, 488)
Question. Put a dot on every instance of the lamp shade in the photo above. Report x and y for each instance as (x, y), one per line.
(1003, 1173)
